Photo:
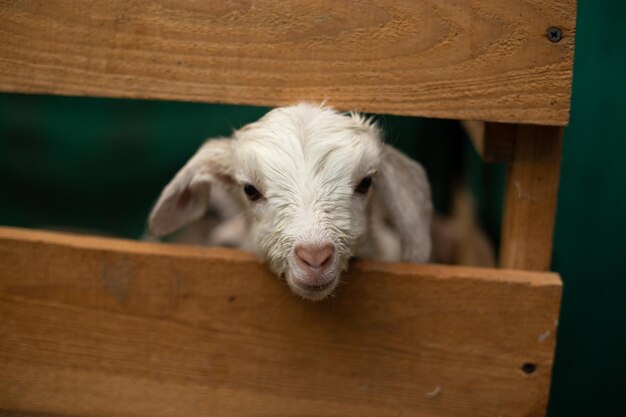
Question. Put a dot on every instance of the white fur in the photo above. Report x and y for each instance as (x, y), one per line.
(306, 161)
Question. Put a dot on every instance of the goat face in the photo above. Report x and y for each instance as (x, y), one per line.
(305, 176)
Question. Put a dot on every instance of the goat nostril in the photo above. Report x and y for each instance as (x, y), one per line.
(315, 256)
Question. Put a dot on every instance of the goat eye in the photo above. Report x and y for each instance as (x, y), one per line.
(364, 185)
(251, 192)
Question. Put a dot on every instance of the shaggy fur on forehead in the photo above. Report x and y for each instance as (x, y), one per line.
(305, 139)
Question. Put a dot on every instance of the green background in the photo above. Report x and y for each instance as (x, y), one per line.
(98, 164)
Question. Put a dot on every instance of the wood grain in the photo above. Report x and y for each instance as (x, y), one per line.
(530, 200)
(103, 327)
(474, 60)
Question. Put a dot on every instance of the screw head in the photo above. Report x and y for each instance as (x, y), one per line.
(554, 34)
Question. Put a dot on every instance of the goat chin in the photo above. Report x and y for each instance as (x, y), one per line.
(313, 292)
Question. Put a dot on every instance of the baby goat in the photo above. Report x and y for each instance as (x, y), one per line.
(315, 186)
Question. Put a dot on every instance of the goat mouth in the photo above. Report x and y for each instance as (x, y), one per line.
(312, 292)
(315, 288)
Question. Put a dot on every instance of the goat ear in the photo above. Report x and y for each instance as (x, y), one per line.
(187, 196)
(402, 189)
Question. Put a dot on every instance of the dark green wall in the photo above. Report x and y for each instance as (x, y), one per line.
(590, 248)
(98, 164)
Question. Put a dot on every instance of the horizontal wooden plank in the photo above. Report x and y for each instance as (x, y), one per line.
(486, 60)
(104, 327)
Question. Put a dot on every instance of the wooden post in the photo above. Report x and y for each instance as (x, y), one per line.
(530, 199)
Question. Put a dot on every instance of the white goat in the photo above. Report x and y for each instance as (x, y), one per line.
(315, 186)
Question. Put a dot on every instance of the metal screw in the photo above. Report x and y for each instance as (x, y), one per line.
(554, 34)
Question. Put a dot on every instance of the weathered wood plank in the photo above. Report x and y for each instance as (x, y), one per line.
(473, 60)
(103, 327)
(530, 199)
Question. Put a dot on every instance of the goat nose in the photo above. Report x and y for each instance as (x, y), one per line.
(315, 256)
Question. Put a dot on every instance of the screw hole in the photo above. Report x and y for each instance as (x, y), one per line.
(529, 368)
